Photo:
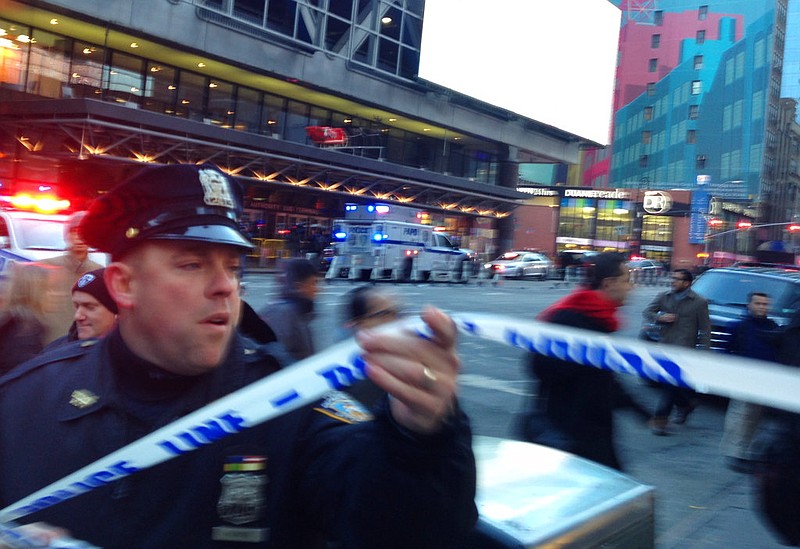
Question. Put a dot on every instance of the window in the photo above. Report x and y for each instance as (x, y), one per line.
(247, 110)
(698, 62)
(221, 104)
(643, 161)
(658, 18)
(48, 69)
(697, 87)
(651, 88)
(700, 162)
(646, 137)
(691, 137)
(694, 112)
(655, 41)
(702, 13)
(191, 95)
(125, 79)
(652, 65)
(700, 38)
(648, 113)
(161, 88)
(86, 79)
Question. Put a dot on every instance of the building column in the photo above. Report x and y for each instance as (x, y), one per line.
(508, 176)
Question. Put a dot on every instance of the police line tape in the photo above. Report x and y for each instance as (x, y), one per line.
(341, 365)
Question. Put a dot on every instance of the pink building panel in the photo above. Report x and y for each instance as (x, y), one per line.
(636, 49)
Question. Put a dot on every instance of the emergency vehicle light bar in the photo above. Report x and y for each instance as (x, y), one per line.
(43, 204)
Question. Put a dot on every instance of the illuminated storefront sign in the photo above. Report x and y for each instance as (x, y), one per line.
(538, 191)
(615, 194)
(657, 202)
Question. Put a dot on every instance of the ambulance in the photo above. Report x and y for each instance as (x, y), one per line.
(387, 242)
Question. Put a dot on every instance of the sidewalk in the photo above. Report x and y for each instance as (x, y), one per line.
(700, 503)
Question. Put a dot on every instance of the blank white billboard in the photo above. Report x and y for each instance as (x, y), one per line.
(549, 60)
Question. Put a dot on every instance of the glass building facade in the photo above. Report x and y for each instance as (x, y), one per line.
(43, 63)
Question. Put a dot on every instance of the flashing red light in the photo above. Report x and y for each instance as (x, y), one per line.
(744, 225)
(46, 204)
(715, 222)
(793, 228)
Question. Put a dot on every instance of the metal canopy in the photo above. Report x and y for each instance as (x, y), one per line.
(81, 129)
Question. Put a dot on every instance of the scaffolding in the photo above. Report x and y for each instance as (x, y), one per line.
(641, 12)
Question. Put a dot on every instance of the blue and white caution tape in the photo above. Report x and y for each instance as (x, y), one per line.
(303, 383)
(341, 365)
(709, 372)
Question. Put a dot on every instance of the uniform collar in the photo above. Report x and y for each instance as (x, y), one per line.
(95, 383)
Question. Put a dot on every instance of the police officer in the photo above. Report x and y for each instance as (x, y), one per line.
(328, 473)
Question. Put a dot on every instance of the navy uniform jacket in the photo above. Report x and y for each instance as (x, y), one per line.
(312, 475)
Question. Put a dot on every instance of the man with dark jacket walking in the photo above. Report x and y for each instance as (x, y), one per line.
(683, 317)
(756, 336)
(290, 317)
(574, 405)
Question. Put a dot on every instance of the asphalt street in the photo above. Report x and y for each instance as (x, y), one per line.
(700, 503)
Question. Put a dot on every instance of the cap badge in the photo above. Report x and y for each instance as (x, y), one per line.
(132, 232)
(85, 280)
(216, 191)
(82, 398)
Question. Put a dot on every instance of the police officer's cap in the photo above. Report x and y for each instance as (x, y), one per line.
(175, 202)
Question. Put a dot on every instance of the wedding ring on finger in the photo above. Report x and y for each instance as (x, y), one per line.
(428, 376)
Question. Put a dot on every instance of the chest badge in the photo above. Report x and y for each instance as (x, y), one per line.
(82, 398)
(242, 497)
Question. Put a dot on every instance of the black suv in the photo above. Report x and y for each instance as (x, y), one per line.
(727, 288)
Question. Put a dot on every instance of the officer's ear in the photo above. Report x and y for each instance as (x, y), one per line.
(118, 281)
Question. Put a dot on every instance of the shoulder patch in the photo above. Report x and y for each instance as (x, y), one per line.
(343, 407)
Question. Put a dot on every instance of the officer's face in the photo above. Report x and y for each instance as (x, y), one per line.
(91, 317)
(179, 303)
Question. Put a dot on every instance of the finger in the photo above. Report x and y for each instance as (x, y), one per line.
(438, 348)
(441, 325)
(421, 408)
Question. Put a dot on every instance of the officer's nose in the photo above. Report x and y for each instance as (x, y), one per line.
(224, 281)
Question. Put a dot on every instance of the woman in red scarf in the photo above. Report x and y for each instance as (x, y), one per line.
(573, 409)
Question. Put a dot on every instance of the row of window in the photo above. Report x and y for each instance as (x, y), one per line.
(699, 164)
(652, 64)
(658, 15)
(691, 137)
(384, 35)
(51, 65)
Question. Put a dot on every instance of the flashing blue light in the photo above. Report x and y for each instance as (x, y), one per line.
(350, 207)
(341, 235)
(370, 208)
(377, 237)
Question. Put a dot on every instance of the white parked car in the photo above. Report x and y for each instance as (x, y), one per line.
(520, 264)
